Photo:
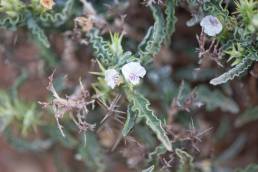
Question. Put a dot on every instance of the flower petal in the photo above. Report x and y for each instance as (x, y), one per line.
(112, 78)
(211, 25)
(133, 71)
(141, 71)
(126, 70)
(135, 81)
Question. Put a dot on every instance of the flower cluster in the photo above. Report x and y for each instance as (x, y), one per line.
(131, 71)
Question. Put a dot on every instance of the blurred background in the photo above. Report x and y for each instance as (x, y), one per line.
(217, 125)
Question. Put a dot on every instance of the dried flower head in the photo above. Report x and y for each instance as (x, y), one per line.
(48, 4)
(84, 23)
(133, 71)
(75, 105)
(112, 78)
(208, 53)
(211, 25)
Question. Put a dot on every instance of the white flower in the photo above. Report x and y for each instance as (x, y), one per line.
(211, 25)
(133, 71)
(113, 78)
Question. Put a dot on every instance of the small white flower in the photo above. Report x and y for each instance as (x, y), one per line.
(112, 78)
(133, 71)
(211, 25)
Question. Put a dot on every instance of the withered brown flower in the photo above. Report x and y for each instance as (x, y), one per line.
(76, 106)
(84, 23)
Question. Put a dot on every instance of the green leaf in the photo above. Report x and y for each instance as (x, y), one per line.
(145, 136)
(158, 151)
(12, 109)
(101, 48)
(184, 91)
(21, 144)
(149, 169)
(11, 22)
(140, 106)
(154, 38)
(170, 18)
(7, 112)
(38, 32)
(46, 54)
(186, 161)
(18, 82)
(30, 119)
(57, 19)
(250, 168)
(189, 73)
(233, 73)
(215, 99)
(130, 122)
(69, 141)
(92, 153)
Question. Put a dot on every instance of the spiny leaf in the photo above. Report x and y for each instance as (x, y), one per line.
(170, 18)
(101, 48)
(140, 105)
(11, 22)
(46, 54)
(161, 30)
(13, 109)
(29, 119)
(130, 121)
(149, 169)
(145, 40)
(58, 18)
(197, 13)
(125, 58)
(7, 112)
(38, 32)
(233, 73)
(216, 8)
(152, 42)
(186, 161)
(158, 151)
